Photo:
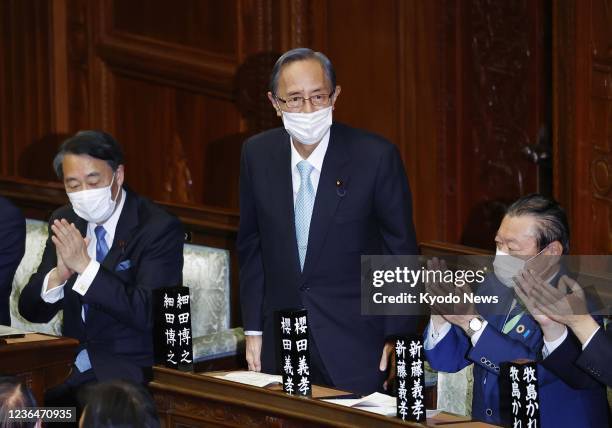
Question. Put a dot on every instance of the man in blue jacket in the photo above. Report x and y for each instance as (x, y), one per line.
(535, 228)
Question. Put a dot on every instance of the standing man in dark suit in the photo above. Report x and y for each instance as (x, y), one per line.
(12, 248)
(314, 197)
(107, 251)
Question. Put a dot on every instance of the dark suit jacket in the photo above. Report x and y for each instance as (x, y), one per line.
(583, 369)
(118, 331)
(12, 248)
(370, 212)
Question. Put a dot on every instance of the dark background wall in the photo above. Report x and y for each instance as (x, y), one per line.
(486, 99)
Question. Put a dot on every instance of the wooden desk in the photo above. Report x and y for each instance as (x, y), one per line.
(42, 361)
(186, 400)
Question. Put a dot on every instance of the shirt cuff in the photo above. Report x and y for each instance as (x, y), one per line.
(84, 280)
(590, 337)
(253, 333)
(434, 336)
(53, 295)
(549, 347)
(477, 335)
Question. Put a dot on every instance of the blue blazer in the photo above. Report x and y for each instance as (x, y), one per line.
(363, 206)
(147, 253)
(560, 404)
(12, 248)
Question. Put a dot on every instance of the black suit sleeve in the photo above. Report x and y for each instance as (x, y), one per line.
(12, 248)
(160, 265)
(393, 207)
(562, 362)
(249, 253)
(596, 357)
(31, 306)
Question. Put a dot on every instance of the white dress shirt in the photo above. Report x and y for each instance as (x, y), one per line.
(589, 339)
(316, 160)
(85, 279)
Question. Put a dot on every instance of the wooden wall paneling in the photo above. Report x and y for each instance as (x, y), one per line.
(214, 100)
(261, 41)
(206, 25)
(190, 141)
(600, 123)
(101, 84)
(420, 113)
(564, 113)
(366, 64)
(297, 22)
(450, 113)
(386, 60)
(26, 115)
(77, 58)
(155, 57)
(500, 104)
(498, 110)
(5, 88)
(141, 122)
(583, 112)
(59, 69)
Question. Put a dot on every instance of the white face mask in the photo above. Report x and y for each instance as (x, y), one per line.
(94, 205)
(308, 128)
(507, 267)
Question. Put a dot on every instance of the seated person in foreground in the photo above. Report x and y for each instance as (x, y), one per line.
(15, 396)
(106, 253)
(532, 236)
(118, 404)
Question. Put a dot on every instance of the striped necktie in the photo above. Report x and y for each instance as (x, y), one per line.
(304, 203)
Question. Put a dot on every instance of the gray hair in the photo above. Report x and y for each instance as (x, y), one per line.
(301, 54)
(551, 219)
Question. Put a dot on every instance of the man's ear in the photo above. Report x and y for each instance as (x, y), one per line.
(335, 96)
(554, 249)
(274, 103)
(120, 176)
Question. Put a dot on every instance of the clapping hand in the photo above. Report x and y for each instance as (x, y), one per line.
(564, 304)
(71, 248)
(527, 284)
(459, 314)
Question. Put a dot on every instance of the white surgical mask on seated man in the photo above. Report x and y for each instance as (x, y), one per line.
(507, 267)
(94, 205)
(308, 128)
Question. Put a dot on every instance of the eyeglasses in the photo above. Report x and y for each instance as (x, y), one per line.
(318, 100)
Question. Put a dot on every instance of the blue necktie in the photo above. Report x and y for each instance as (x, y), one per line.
(82, 360)
(101, 246)
(101, 252)
(304, 203)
